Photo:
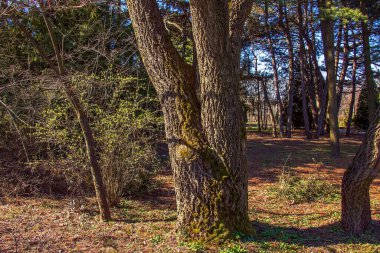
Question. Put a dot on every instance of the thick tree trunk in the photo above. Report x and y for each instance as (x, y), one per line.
(204, 128)
(356, 209)
(327, 29)
(371, 85)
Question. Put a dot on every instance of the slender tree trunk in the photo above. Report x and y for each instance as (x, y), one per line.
(100, 191)
(258, 107)
(353, 92)
(204, 128)
(343, 71)
(284, 24)
(311, 92)
(371, 86)
(272, 115)
(302, 72)
(338, 49)
(322, 86)
(275, 73)
(327, 29)
(356, 209)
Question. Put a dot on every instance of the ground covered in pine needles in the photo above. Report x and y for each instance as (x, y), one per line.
(294, 204)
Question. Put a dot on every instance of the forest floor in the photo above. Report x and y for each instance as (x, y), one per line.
(147, 224)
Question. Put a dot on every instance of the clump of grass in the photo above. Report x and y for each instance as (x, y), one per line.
(298, 190)
(234, 248)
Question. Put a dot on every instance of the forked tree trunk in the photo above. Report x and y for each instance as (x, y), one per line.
(100, 191)
(356, 208)
(321, 83)
(204, 128)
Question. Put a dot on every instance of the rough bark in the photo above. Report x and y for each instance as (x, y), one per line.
(204, 127)
(356, 209)
(327, 30)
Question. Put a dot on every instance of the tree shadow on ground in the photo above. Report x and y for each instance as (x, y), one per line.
(325, 236)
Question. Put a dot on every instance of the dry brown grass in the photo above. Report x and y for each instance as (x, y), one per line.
(148, 224)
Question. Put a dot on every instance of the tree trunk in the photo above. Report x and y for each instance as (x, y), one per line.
(204, 127)
(258, 107)
(284, 24)
(371, 85)
(302, 73)
(327, 29)
(311, 91)
(100, 191)
(356, 209)
(322, 86)
(343, 71)
(353, 92)
(273, 117)
(275, 72)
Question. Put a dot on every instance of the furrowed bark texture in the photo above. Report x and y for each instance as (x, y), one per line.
(203, 121)
(356, 210)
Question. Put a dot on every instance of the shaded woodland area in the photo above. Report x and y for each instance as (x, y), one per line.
(189, 126)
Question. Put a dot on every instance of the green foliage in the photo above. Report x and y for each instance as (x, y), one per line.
(343, 13)
(360, 119)
(196, 246)
(156, 239)
(298, 190)
(126, 126)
